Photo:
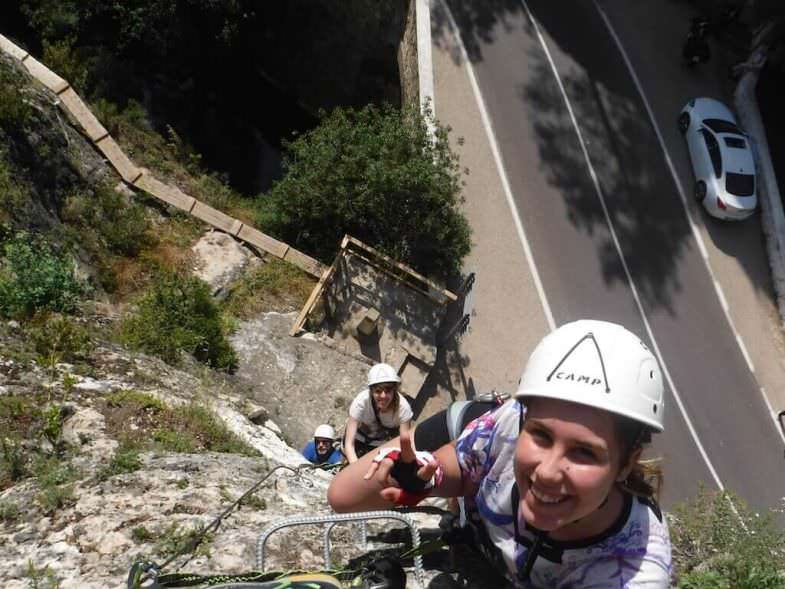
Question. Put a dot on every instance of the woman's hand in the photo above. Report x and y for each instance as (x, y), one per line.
(402, 481)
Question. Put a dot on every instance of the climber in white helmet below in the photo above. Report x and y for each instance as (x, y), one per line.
(322, 449)
(555, 489)
(377, 414)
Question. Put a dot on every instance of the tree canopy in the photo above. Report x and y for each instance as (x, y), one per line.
(375, 174)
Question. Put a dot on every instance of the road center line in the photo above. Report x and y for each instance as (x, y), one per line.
(497, 158)
(633, 289)
(680, 189)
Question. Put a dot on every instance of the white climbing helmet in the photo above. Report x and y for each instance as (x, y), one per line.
(324, 431)
(380, 373)
(599, 364)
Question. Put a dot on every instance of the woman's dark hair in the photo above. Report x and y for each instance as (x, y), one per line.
(646, 477)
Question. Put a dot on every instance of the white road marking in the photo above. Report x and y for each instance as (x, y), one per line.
(680, 189)
(633, 289)
(773, 414)
(497, 158)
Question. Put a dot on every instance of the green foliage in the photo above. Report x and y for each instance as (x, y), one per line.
(61, 57)
(41, 578)
(52, 428)
(255, 502)
(15, 112)
(176, 315)
(120, 225)
(54, 478)
(9, 511)
(13, 462)
(156, 426)
(273, 286)
(174, 441)
(174, 541)
(136, 400)
(140, 535)
(59, 338)
(715, 547)
(13, 193)
(125, 459)
(375, 174)
(34, 277)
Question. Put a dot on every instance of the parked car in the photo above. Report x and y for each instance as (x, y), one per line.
(721, 159)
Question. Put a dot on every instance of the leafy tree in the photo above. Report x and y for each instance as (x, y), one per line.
(176, 315)
(373, 173)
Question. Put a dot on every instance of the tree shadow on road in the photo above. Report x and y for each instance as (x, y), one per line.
(642, 202)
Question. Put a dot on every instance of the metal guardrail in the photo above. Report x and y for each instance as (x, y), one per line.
(330, 521)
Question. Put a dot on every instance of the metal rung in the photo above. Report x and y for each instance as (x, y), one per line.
(330, 521)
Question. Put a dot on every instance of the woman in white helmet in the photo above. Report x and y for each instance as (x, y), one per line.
(554, 473)
(322, 448)
(377, 414)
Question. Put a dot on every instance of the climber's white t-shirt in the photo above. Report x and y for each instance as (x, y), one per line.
(362, 410)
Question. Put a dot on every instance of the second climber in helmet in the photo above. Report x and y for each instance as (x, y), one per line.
(377, 414)
(322, 449)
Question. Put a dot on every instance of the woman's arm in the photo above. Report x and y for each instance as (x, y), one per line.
(363, 485)
(406, 426)
(348, 440)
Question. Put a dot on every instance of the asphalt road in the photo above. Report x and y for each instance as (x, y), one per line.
(581, 260)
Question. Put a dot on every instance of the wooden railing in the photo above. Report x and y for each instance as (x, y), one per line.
(70, 101)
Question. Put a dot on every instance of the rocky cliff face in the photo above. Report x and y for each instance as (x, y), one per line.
(112, 519)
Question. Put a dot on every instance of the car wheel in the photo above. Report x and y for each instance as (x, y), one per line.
(684, 122)
(700, 190)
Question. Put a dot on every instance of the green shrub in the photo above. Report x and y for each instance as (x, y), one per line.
(177, 315)
(59, 338)
(41, 578)
(126, 459)
(174, 541)
(377, 175)
(120, 226)
(13, 460)
(715, 546)
(62, 58)
(9, 511)
(34, 277)
(140, 534)
(15, 112)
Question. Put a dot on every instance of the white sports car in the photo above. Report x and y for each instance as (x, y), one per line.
(721, 159)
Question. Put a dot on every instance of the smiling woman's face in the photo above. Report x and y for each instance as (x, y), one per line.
(566, 463)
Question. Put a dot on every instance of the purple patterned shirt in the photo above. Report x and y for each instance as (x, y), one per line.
(634, 554)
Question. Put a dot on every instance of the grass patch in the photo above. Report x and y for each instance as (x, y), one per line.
(175, 540)
(41, 578)
(273, 286)
(55, 482)
(140, 535)
(145, 423)
(125, 459)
